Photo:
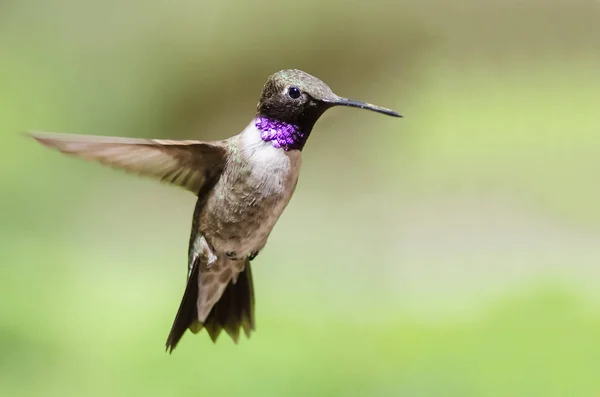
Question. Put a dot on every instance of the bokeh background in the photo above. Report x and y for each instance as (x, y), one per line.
(455, 252)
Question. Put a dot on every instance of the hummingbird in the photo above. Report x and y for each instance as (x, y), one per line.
(242, 183)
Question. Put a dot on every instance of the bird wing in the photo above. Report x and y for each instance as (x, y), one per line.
(187, 164)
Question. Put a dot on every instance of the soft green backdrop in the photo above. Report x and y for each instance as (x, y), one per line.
(455, 252)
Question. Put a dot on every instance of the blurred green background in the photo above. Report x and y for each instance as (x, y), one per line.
(454, 252)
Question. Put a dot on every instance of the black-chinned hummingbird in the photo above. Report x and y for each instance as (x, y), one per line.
(243, 184)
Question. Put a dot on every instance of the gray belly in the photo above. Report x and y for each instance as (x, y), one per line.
(242, 210)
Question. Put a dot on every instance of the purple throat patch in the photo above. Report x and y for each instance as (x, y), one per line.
(281, 134)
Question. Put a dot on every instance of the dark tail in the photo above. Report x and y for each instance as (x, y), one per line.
(233, 310)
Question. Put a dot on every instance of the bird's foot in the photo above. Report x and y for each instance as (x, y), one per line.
(234, 257)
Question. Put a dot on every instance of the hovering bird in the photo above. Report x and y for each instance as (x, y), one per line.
(243, 184)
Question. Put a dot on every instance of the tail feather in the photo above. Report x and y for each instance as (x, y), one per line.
(233, 310)
(186, 314)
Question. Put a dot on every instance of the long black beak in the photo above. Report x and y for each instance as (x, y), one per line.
(362, 105)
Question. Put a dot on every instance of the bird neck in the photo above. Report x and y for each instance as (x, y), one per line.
(281, 134)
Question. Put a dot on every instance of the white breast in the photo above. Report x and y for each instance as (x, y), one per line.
(270, 166)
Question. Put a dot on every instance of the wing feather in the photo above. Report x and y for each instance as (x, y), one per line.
(185, 163)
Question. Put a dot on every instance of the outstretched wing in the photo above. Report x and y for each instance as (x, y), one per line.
(183, 163)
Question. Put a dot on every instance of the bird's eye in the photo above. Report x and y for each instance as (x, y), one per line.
(294, 92)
